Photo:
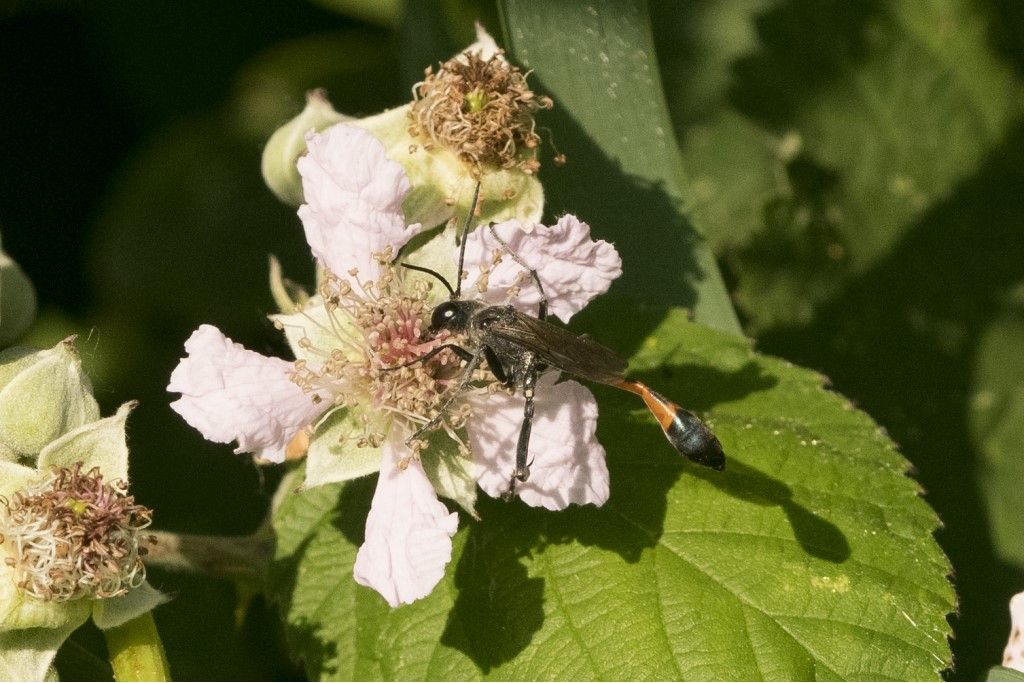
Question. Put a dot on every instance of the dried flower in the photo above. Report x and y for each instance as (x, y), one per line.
(446, 140)
(72, 543)
(72, 535)
(481, 109)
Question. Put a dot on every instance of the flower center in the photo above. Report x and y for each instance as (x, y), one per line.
(481, 110)
(372, 330)
(72, 535)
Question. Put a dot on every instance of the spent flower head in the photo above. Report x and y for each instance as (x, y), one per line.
(71, 537)
(481, 109)
(345, 397)
(471, 121)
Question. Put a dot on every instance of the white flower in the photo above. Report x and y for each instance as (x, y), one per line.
(369, 317)
(1013, 655)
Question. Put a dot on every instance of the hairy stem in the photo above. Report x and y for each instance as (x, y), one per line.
(136, 652)
(233, 557)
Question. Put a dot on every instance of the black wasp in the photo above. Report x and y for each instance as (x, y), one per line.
(517, 347)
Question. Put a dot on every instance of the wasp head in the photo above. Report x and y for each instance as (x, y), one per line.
(453, 315)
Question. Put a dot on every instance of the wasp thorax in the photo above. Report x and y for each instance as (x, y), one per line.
(481, 110)
(73, 535)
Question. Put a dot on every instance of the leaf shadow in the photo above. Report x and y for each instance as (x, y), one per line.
(499, 608)
(655, 240)
(816, 535)
(901, 340)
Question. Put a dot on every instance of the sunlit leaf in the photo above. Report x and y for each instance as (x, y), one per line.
(811, 556)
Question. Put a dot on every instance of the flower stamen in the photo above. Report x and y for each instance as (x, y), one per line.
(72, 535)
(480, 109)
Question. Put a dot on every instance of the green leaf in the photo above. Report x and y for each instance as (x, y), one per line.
(610, 119)
(997, 420)
(1001, 673)
(811, 556)
(857, 119)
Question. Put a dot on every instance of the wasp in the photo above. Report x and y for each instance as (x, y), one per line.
(517, 347)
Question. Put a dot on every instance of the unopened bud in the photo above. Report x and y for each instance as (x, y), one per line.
(43, 395)
(17, 300)
(288, 143)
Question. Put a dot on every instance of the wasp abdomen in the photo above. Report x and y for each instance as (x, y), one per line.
(684, 430)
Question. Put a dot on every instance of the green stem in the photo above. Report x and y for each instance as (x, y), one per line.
(243, 558)
(135, 650)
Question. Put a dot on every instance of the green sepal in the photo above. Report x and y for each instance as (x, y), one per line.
(101, 444)
(28, 654)
(114, 612)
(333, 454)
(44, 394)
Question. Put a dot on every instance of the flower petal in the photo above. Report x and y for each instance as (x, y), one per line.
(230, 393)
(408, 531)
(567, 464)
(572, 267)
(1013, 655)
(354, 198)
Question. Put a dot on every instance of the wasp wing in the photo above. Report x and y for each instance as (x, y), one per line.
(560, 348)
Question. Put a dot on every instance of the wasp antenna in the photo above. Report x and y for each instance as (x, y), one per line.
(428, 271)
(462, 244)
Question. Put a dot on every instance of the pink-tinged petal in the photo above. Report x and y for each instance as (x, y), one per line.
(572, 267)
(1013, 655)
(408, 531)
(230, 394)
(353, 196)
(567, 464)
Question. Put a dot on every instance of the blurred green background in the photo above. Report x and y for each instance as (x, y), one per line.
(858, 168)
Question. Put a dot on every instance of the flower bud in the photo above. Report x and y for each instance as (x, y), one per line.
(43, 394)
(288, 143)
(17, 300)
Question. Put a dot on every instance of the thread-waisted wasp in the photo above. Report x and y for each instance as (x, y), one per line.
(517, 347)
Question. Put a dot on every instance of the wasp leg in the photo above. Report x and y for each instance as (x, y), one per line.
(497, 369)
(472, 363)
(522, 470)
(542, 307)
(456, 349)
